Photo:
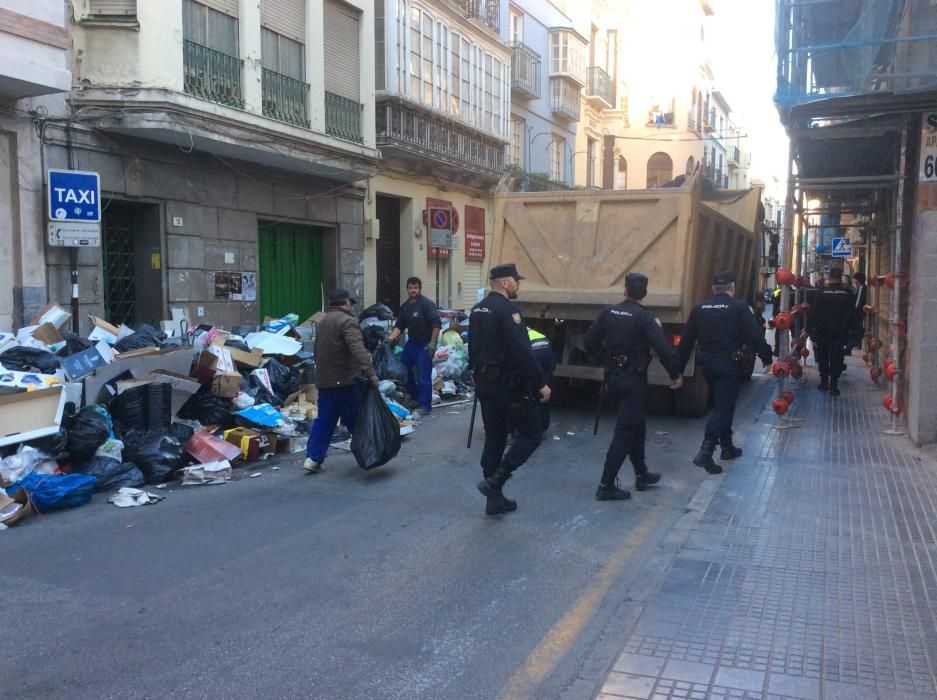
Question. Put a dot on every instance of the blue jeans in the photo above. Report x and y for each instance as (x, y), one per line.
(419, 373)
(333, 404)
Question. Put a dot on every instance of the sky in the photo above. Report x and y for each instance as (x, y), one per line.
(740, 36)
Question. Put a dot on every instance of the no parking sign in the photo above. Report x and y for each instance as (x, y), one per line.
(440, 227)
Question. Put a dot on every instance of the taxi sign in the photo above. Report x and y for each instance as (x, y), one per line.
(74, 195)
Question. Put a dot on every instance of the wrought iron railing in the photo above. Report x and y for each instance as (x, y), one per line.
(285, 98)
(438, 138)
(343, 118)
(532, 182)
(564, 98)
(525, 69)
(599, 84)
(211, 75)
(736, 156)
(487, 11)
(691, 124)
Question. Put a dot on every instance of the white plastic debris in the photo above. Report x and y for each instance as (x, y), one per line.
(128, 497)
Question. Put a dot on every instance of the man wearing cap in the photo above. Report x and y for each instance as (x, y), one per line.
(340, 358)
(505, 371)
(831, 325)
(722, 325)
(420, 318)
(628, 331)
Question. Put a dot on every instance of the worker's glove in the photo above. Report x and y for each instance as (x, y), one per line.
(390, 341)
(431, 350)
(375, 382)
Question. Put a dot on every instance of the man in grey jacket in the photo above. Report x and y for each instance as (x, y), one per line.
(340, 358)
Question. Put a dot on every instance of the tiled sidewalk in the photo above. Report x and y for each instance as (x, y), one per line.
(812, 573)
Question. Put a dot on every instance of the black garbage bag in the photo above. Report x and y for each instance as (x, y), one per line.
(381, 312)
(237, 345)
(208, 409)
(387, 365)
(144, 337)
(373, 337)
(129, 409)
(74, 344)
(181, 432)
(87, 431)
(257, 391)
(111, 474)
(53, 445)
(284, 379)
(376, 440)
(29, 360)
(157, 454)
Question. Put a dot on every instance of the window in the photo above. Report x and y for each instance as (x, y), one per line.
(611, 60)
(590, 162)
(690, 165)
(567, 54)
(207, 27)
(282, 55)
(380, 79)
(659, 170)
(558, 159)
(113, 9)
(661, 113)
(516, 31)
(621, 174)
(517, 141)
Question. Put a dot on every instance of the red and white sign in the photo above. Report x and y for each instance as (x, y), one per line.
(474, 233)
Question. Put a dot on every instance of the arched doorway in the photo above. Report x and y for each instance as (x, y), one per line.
(621, 174)
(690, 165)
(659, 169)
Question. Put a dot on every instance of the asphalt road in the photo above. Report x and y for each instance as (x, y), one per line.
(390, 584)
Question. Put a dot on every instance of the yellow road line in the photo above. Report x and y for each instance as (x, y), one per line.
(544, 659)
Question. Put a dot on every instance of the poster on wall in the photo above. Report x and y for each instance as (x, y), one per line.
(228, 286)
(249, 286)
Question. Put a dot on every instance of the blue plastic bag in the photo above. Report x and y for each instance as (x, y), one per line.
(56, 491)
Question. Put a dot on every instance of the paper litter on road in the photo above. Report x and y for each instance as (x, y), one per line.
(556, 437)
(569, 433)
(275, 469)
(128, 497)
(256, 474)
(662, 432)
(210, 473)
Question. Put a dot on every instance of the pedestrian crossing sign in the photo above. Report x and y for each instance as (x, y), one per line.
(842, 248)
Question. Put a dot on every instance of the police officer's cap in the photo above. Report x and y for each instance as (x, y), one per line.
(504, 270)
(721, 279)
(338, 297)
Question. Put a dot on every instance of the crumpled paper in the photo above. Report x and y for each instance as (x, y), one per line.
(127, 497)
(210, 473)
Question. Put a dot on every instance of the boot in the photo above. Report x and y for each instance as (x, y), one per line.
(608, 488)
(491, 486)
(834, 386)
(729, 451)
(824, 384)
(497, 506)
(704, 457)
(644, 479)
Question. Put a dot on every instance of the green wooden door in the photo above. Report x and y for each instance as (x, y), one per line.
(290, 270)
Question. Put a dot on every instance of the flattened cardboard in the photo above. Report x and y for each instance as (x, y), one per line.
(48, 334)
(226, 384)
(182, 387)
(252, 359)
(51, 313)
(177, 361)
(30, 415)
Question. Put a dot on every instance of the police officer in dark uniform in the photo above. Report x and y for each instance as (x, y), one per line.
(628, 331)
(831, 324)
(508, 381)
(722, 325)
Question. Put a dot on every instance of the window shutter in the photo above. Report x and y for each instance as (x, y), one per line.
(229, 7)
(112, 8)
(342, 70)
(285, 17)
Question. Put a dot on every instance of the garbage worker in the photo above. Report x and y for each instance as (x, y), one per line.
(505, 371)
(419, 317)
(831, 325)
(341, 358)
(722, 325)
(543, 354)
(628, 331)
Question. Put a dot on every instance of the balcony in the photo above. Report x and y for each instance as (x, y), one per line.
(656, 118)
(537, 182)
(420, 140)
(525, 70)
(691, 123)
(211, 75)
(709, 121)
(487, 12)
(34, 44)
(564, 98)
(599, 88)
(343, 118)
(285, 98)
(735, 157)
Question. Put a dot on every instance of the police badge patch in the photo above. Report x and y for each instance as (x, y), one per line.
(517, 318)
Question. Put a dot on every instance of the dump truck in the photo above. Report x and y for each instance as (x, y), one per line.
(576, 247)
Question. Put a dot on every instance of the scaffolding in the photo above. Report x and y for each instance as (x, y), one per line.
(841, 48)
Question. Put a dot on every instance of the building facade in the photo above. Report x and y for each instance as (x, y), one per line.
(233, 157)
(34, 44)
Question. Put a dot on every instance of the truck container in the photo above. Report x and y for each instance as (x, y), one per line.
(575, 248)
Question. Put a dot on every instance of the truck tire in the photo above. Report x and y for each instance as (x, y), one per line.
(692, 399)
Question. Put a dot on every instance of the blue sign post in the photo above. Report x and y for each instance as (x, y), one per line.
(842, 248)
(74, 196)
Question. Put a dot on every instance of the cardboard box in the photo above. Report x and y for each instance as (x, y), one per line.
(226, 384)
(48, 334)
(30, 415)
(178, 361)
(251, 360)
(254, 445)
(51, 313)
(103, 331)
(206, 448)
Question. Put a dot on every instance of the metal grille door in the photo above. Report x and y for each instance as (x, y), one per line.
(119, 294)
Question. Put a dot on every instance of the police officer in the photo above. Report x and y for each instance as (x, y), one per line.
(627, 330)
(504, 370)
(543, 354)
(722, 325)
(831, 324)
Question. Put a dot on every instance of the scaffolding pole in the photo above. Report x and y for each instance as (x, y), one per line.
(896, 292)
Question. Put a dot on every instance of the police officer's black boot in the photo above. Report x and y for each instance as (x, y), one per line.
(729, 451)
(704, 457)
(824, 384)
(491, 486)
(608, 489)
(644, 479)
(834, 386)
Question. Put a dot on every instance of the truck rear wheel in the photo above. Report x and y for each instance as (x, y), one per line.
(692, 399)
